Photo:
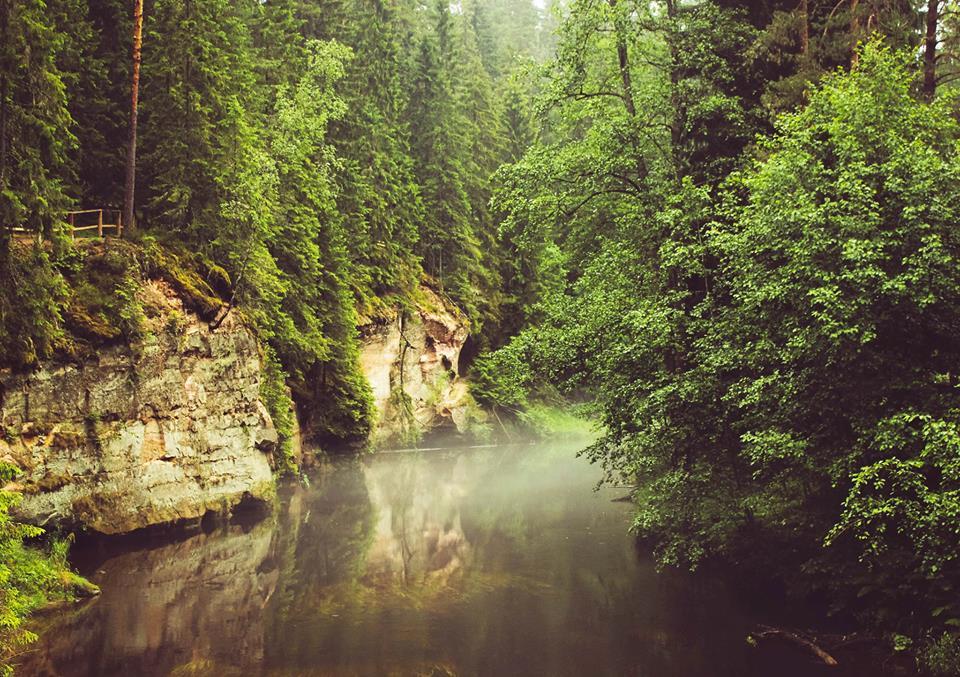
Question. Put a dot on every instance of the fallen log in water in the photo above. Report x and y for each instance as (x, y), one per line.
(768, 632)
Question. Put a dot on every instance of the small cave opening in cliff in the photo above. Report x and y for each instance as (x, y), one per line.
(468, 353)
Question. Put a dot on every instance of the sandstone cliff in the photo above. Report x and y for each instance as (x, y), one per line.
(164, 430)
(172, 426)
(412, 361)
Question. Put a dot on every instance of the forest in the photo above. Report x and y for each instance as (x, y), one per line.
(729, 231)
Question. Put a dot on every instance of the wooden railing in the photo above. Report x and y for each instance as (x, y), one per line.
(100, 225)
(106, 220)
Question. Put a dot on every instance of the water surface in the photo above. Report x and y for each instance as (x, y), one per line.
(497, 561)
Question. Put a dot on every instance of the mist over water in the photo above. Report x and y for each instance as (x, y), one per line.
(496, 561)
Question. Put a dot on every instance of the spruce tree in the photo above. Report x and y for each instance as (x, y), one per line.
(198, 93)
(378, 198)
(441, 141)
(484, 136)
(36, 130)
(309, 246)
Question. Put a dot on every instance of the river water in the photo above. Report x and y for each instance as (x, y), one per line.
(495, 561)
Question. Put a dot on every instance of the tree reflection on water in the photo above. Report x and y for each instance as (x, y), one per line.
(472, 562)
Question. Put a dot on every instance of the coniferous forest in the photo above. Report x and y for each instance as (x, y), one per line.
(728, 233)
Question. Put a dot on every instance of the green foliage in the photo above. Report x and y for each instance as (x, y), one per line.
(103, 281)
(504, 378)
(772, 351)
(276, 397)
(31, 294)
(314, 328)
(558, 420)
(440, 131)
(378, 199)
(96, 76)
(178, 268)
(35, 125)
(844, 260)
(196, 99)
(29, 577)
(510, 31)
(942, 656)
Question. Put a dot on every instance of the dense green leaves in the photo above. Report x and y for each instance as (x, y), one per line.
(29, 577)
(768, 327)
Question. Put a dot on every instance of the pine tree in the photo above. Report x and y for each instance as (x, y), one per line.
(320, 350)
(279, 34)
(441, 142)
(378, 198)
(97, 57)
(520, 126)
(35, 126)
(86, 78)
(35, 141)
(198, 86)
(508, 31)
(484, 134)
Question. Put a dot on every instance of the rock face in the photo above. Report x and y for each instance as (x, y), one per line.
(412, 362)
(161, 431)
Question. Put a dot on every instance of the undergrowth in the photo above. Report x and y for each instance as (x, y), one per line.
(31, 576)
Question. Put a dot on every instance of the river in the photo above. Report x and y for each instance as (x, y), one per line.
(493, 561)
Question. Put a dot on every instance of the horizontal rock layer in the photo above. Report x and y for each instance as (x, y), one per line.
(164, 430)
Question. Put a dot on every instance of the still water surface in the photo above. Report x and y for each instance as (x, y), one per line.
(498, 561)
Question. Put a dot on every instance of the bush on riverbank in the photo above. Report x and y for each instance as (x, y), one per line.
(30, 576)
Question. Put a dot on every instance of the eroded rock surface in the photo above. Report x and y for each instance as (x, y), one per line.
(412, 362)
(161, 431)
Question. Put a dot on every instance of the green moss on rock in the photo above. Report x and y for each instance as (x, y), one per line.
(196, 293)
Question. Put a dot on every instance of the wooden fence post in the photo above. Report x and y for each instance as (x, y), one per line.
(73, 233)
(100, 224)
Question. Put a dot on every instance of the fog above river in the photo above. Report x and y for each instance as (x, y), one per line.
(499, 561)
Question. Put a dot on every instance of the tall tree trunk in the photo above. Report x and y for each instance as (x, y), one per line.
(854, 33)
(624, 59)
(626, 84)
(804, 26)
(930, 50)
(6, 229)
(128, 188)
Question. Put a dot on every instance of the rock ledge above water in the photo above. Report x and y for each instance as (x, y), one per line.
(145, 434)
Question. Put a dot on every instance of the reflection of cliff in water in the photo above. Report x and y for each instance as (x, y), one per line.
(193, 606)
(418, 538)
(378, 544)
